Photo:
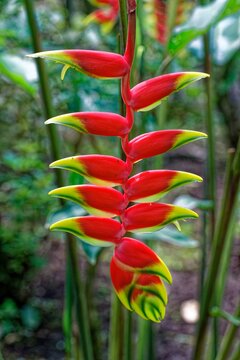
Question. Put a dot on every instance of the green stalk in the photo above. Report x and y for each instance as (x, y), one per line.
(236, 354)
(128, 330)
(228, 338)
(71, 243)
(116, 342)
(210, 190)
(211, 170)
(228, 206)
(67, 311)
(225, 261)
(81, 304)
(95, 322)
(145, 342)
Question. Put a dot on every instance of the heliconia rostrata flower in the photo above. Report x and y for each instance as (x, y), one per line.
(137, 272)
(105, 16)
(157, 17)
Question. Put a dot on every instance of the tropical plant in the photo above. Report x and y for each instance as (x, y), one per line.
(136, 271)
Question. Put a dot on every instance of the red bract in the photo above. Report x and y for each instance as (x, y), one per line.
(137, 272)
(92, 229)
(158, 142)
(97, 123)
(100, 64)
(97, 200)
(153, 184)
(148, 94)
(151, 216)
(97, 169)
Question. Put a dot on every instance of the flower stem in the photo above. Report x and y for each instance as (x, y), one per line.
(228, 338)
(68, 309)
(236, 354)
(116, 330)
(71, 243)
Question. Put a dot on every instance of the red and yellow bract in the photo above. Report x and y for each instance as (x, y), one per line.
(105, 16)
(137, 272)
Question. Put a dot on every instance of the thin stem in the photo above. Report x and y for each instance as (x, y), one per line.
(123, 21)
(217, 312)
(236, 354)
(211, 180)
(172, 6)
(224, 266)
(228, 338)
(210, 189)
(81, 308)
(116, 330)
(68, 307)
(71, 244)
(128, 329)
(145, 349)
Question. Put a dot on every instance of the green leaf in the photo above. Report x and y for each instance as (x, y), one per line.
(226, 39)
(92, 252)
(170, 236)
(67, 211)
(202, 18)
(192, 203)
(18, 71)
(31, 317)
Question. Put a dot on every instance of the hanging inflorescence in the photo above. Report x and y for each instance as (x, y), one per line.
(137, 272)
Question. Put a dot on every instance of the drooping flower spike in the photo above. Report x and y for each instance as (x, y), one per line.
(137, 272)
(156, 17)
(105, 16)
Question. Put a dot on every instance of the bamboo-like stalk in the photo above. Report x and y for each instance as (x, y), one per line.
(228, 338)
(224, 269)
(71, 244)
(67, 311)
(236, 354)
(211, 166)
(229, 201)
(210, 188)
(145, 344)
(116, 338)
(128, 332)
